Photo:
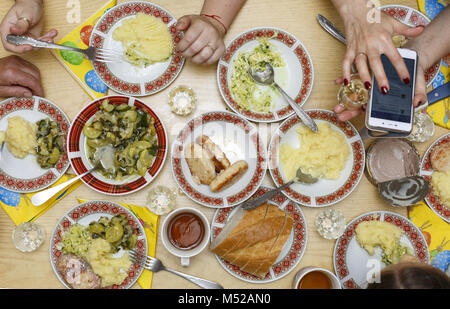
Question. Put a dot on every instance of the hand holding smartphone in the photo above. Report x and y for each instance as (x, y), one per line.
(393, 111)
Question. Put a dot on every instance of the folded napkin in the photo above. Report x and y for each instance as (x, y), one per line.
(436, 232)
(18, 206)
(440, 110)
(79, 67)
(150, 222)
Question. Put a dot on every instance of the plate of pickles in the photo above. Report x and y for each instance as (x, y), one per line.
(134, 133)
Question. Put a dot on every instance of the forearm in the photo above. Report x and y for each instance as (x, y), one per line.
(40, 2)
(226, 10)
(431, 44)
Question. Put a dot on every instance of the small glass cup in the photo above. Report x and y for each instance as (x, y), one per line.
(182, 100)
(161, 200)
(354, 95)
(330, 223)
(423, 128)
(28, 236)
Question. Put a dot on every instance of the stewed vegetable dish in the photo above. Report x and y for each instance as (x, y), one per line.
(131, 132)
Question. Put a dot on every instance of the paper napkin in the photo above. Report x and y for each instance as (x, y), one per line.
(436, 232)
(440, 110)
(79, 67)
(150, 222)
(18, 205)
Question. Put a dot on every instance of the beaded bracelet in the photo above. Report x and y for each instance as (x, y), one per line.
(216, 18)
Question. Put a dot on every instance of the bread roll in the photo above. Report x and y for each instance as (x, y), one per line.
(201, 166)
(216, 154)
(253, 239)
(228, 176)
(440, 158)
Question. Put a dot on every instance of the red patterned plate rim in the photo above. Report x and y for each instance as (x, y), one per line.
(54, 112)
(76, 154)
(426, 170)
(411, 231)
(284, 37)
(289, 261)
(416, 18)
(114, 15)
(104, 208)
(204, 199)
(356, 145)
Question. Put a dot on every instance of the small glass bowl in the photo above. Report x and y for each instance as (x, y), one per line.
(182, 100)
(354, 95)
(423, 128)
(28, 236)
(330, 223)
(161, 200)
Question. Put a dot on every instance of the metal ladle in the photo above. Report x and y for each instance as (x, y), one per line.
(103, 156)
(266, 78)
(300, 178)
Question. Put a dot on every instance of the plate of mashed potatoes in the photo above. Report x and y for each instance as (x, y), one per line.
(144, 33)
(435, 168)
(334, 156)
(373, 241)
(34, 131)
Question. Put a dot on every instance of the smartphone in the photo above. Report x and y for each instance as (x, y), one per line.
(393, 111)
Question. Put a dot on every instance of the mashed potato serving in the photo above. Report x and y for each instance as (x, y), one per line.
(145, 39)
(371, 234)
(441, 186)
(322, 154)
(20, 137)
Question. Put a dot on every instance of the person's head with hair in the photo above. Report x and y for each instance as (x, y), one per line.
(411, 275)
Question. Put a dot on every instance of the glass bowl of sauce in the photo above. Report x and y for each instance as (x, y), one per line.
(185, 233)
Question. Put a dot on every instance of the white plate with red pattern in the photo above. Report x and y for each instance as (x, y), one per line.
(324, 192)
(355, 267)
(413, 18)
(76, 149)
(25, 175)
(239, 140)
(123, 77)
(426, 171)
(290, 255)
(84, 214)
(296, 77)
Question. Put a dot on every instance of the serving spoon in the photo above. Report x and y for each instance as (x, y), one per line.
(300, 177)
(267, 78)
(103, 156)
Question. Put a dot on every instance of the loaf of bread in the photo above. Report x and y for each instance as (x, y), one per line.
(253, 239)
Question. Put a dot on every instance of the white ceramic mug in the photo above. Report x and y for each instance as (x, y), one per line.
(335, 284)
(185, 255)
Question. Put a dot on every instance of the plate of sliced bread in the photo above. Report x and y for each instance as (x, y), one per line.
(263, 244)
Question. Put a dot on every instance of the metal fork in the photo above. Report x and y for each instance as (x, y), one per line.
(156, 265)
(92, 53)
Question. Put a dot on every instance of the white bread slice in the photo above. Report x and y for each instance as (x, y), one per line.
(201, 166)
(216, 154)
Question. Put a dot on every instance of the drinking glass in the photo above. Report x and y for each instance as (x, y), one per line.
(28, 236)
(330, 223)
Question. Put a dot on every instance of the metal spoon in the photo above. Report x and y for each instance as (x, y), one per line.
(300, 178)
(266, 77)
(103, 156)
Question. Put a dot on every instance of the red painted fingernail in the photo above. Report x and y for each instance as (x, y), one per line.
(406, 81)
(345, 82)
(368, 85)
(384, 90)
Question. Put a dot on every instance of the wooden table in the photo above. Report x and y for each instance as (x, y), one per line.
(33, 270)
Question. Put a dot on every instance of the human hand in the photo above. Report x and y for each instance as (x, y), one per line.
(25, 18)
(203, 39)
(19, 78)
(368, 40)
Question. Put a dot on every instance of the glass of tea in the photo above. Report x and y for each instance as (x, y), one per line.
(185, 233)
(316, 278)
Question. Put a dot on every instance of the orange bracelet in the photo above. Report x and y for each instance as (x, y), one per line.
(216, 18)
